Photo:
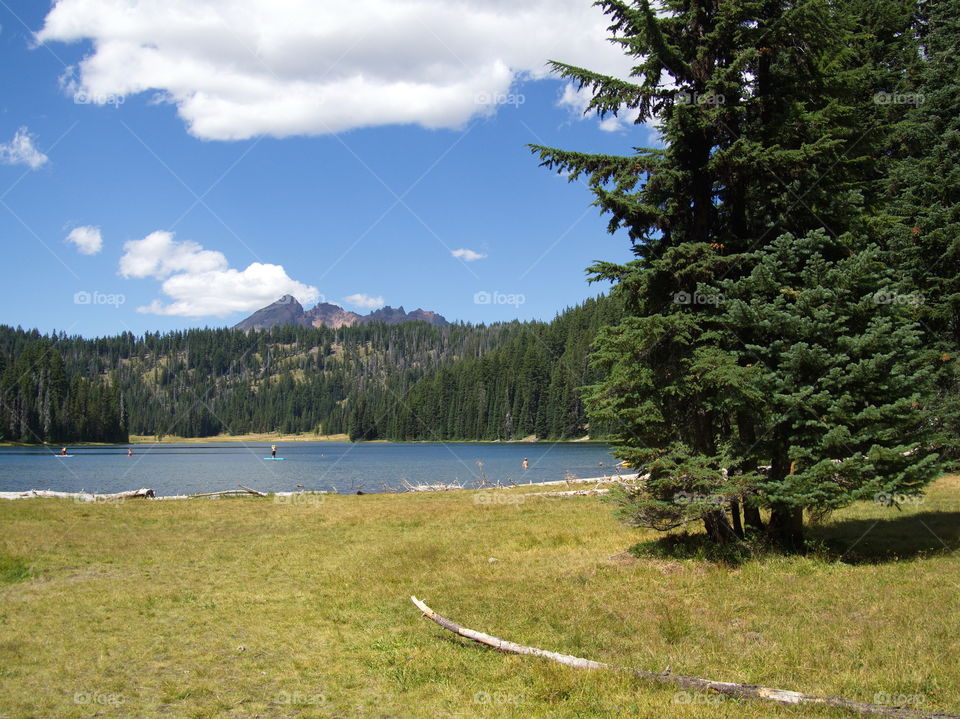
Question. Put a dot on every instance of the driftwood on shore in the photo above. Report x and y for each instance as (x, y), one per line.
(405, 486)
(740, 691)
(79, 496)
(131, 494)
(437, 487)
(224, 493)
(252, 491)
(487, 484)
(569, 493)
(576, 480)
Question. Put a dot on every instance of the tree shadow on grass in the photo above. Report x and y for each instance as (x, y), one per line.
(851, 541)
(876, 541)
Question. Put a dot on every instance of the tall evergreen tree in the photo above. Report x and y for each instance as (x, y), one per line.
(761, 109)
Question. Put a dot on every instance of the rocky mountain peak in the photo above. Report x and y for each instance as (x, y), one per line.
(288, 311)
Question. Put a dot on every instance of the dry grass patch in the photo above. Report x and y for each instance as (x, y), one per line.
(245, 607)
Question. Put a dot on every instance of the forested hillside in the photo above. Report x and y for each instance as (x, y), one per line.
(408, 381)
(42, 400)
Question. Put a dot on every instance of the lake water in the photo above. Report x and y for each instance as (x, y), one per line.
(334, 466)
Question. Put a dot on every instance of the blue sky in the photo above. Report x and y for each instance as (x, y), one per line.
(205, 162)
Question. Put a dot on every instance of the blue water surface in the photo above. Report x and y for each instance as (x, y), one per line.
(333, 466)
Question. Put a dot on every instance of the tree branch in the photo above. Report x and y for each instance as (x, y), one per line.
(741, 691)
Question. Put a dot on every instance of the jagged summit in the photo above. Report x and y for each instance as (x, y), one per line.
(288, 311)
(285, 311)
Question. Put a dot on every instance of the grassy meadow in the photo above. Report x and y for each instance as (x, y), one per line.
(299, 607)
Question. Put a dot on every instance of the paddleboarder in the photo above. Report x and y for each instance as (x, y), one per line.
(63, 452)
(129, 451)
(273, 451)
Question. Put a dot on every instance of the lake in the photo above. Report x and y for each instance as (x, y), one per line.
(334, 466)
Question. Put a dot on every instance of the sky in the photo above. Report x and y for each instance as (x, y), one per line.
(167, 164)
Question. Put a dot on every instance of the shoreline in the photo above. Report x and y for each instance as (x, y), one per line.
(250, 437)
(148, 494)
(267, 438)
(306, 437)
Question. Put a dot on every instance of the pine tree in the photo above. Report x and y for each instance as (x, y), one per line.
(842, 375)
(764, 110)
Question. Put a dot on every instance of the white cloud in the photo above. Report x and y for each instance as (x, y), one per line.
(88, 239)
(623, 120)
(364, 301)
(467, 255)
(201, 283)
(240, 68)
(576, 102)
(159, 255)
(21, 151)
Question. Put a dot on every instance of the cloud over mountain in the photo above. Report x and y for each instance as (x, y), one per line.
(366, 302)
(200, 282)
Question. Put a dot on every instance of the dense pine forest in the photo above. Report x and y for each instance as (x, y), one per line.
(410, 381)
(42, 399)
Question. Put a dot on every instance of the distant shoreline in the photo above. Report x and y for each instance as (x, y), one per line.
(136, 439)
(273, 438)
(308, 437)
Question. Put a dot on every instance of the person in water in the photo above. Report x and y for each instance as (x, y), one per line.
(129, 451)
(525, 464)
(273, 451)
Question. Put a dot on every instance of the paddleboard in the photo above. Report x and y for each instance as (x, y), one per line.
(278, 459)
(63, 456)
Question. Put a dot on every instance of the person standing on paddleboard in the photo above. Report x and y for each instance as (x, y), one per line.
(129, 451)
(273, 451)
(63, 452)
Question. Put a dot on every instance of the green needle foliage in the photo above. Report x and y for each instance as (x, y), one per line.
(924, 192)
(842, 375)
(754, 369)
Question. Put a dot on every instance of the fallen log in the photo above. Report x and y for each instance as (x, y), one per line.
(438, 487)
(569, 493)
(303, 493)
(585, 480)
(79, 496)
(253, 491)
(221, 493)
(740, 691)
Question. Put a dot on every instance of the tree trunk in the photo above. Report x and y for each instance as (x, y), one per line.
(735, 516)
(786, 527)
(751, 516)
(717, 527)
(751, 513)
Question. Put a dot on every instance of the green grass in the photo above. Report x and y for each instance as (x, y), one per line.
(13, 569)
(250, 608)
